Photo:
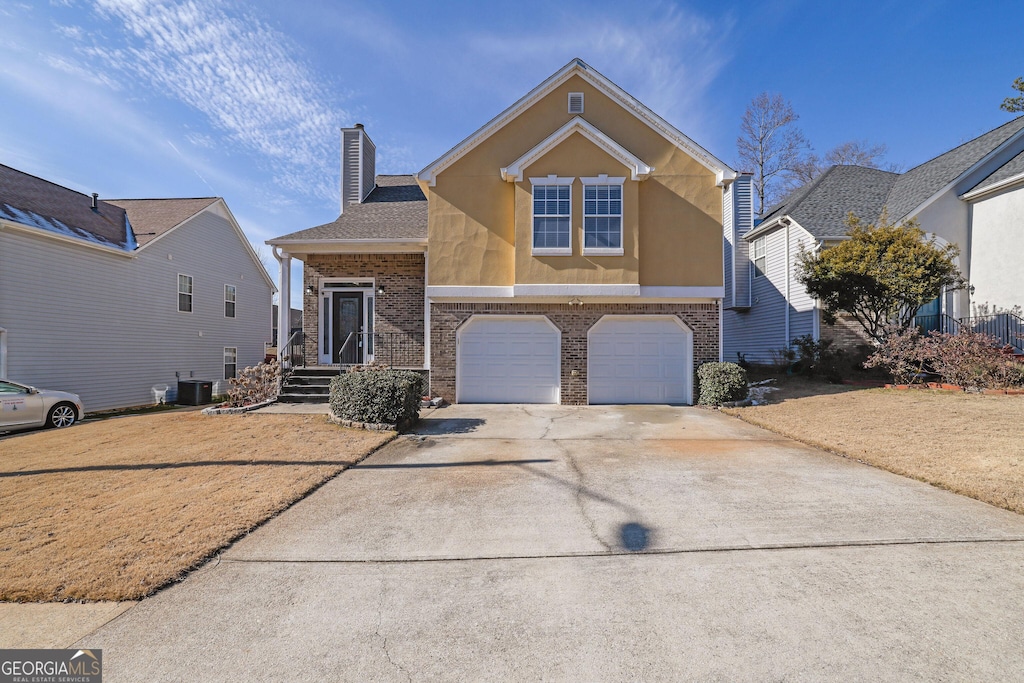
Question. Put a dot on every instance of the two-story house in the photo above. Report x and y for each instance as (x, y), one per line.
(569, 251)
(117, 300)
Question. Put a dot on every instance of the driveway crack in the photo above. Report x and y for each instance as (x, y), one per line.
(579, 494)
(380, 620)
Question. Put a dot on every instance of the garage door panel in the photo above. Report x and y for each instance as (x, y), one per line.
(644, 360)
(502, 360)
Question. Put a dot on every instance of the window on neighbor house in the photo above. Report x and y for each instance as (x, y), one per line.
(229, 301)
(602, 218)
(552, 209)
(230, 361)
(758, 254)
(184, 293)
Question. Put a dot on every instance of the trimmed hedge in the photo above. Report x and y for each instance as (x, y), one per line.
(721, 382)
(378, 396)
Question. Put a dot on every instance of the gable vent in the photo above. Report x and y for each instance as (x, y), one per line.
(575, 103)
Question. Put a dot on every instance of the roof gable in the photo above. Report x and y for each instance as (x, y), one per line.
(1010, 173)
(579, 68)
(640, 170)
(152, 218)
(921, 183)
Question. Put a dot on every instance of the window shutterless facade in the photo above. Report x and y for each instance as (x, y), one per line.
(552, 211)
(184, 293)
(758, 253)
(230, 361)
(602, 216)
(229, 301)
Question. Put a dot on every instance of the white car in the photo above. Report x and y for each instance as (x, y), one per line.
(22, 406)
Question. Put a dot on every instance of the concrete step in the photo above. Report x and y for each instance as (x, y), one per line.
(308, 380)
(302, 398)
(314, 371)
(305, 389)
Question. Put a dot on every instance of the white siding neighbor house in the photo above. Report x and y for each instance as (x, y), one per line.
(115, 300)
(971, 196)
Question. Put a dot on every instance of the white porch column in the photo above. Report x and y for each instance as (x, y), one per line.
(284, 305)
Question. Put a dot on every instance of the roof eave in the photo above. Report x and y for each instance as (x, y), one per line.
(982, 193)
(32, 230)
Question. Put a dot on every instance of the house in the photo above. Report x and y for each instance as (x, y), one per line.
(117, 299)
(569, 251)
(971, 196)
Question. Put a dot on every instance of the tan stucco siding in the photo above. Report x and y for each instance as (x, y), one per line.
(481, 227)
(578, 158)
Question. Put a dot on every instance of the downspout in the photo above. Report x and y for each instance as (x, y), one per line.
(426, 312)
(789, 277)
(721, 330)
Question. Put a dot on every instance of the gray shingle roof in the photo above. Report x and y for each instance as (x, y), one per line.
(38, 203)
(153, 217)
(395, 209)
(921, 182)
(1014, 166)
(821, 206)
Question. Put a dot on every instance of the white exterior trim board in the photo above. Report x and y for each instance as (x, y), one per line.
(974, 195)
(639, 170)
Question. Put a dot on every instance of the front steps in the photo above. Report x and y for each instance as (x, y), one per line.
(308, 385)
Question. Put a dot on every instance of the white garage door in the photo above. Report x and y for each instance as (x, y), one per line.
(633, 359)
(511, 359)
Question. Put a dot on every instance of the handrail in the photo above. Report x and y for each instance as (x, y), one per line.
(283, 351)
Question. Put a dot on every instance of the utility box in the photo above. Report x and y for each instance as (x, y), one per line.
(194, 392)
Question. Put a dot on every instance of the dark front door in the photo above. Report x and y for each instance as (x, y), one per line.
(927, 317)
(348, 320)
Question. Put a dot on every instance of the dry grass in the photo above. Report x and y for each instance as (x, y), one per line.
(114, 510)
(971, 444)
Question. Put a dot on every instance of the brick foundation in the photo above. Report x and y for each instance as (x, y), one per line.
(399, 310)
(574, 322)
(846, 334)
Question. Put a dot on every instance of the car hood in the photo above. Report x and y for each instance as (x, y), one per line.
(59, 395)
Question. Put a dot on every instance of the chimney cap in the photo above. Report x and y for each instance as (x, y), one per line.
(359, 125)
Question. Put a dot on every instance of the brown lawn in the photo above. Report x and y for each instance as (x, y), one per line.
(113, 510)
(971, 444)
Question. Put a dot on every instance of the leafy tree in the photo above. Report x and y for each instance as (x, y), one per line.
(851, 152)
(880, 276)
(770, 145)
(1015, 104)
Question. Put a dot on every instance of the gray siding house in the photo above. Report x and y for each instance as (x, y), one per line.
(971, 196)
(116, 300)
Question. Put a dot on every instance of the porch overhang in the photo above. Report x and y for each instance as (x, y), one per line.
(301, 248)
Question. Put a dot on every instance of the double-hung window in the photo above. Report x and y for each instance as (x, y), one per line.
(759, 255)
(229, 301)
(552, 213)
(230, 361)
(602, 216)
(184, 293)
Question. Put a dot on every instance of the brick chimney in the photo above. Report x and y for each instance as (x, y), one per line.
(358, 162)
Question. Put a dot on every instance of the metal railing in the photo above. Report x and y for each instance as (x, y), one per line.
(293, 353)
(395, 349)
(1006, 327)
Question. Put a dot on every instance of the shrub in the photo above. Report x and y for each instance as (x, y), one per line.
(721, 382)
(819, 358)
(255, 385)
(378, 396)
(903, 353)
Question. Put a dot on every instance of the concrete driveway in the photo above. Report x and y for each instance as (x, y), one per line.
(598, 543)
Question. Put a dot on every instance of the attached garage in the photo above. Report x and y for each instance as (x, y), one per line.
(508, 359)
(639, 359)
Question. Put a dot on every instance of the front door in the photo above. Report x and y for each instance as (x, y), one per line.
(928, 316)
(348, 341)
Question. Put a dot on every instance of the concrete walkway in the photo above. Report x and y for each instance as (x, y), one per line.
(640, 543)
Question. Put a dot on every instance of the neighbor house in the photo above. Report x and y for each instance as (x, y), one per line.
(971, 196)
(117, 299)
(569, 251)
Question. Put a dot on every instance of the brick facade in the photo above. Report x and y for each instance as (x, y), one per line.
(846, 333)
(398, 314)
(574, 322)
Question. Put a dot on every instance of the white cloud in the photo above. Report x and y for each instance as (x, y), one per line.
(242, 75)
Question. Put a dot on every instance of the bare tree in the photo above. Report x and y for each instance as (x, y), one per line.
(1015, 104)
(770, 145)
(849, 153)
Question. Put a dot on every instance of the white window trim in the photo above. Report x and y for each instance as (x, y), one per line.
(551, 251)
(753, 257)
(191, 294)
(603, 179)
(233, 300)
(234, 353)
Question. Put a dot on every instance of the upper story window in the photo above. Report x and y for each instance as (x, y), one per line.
(552, 211)
(602, 216)
(229, 301)
(184, 293)
(758, 253)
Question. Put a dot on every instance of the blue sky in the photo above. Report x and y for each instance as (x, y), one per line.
(132, 98)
